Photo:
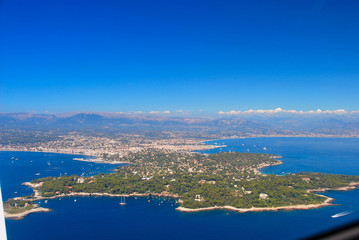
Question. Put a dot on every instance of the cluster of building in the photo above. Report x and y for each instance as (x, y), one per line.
(110, 149)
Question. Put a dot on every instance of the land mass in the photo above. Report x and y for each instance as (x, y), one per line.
(17, 209)
(201, 182)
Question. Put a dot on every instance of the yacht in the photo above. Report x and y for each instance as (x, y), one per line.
(123, 201)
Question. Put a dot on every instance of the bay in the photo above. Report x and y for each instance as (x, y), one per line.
(156, 218)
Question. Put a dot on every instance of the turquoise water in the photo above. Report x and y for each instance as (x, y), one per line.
(103, 218)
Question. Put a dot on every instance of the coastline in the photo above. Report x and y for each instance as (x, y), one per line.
(327, 202)
(270, 165)
(19, 216)
(351, 186)
(279, 136)
(94, 160)
(261, 209)
(83, 194)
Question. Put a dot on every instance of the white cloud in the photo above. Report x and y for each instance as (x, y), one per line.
(159, 112)
(280, 110)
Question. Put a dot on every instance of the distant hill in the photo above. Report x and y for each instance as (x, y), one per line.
(89, 122)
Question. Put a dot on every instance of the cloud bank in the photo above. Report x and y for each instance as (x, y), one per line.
(159, 112)
(280, 110)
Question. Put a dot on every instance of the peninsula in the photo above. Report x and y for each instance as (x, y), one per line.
(200, 182)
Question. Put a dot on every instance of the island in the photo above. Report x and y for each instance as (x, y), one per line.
(199, 182)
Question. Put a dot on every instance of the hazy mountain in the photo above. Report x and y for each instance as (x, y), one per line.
(226, 125)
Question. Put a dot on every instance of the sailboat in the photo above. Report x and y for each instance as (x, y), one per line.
(123, 201)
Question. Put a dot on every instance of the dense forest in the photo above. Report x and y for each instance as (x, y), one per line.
(196, 180)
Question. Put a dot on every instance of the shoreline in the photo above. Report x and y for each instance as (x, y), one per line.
(19, 216)
(261, 209)
(279, 136)
(94, 160)
(83, 194)
(327, 202)
(351, 186)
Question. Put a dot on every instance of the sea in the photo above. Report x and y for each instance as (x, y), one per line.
(75, 218)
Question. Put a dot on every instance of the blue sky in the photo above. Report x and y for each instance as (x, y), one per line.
(70, 55)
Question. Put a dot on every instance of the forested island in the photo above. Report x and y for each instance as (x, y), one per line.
(198, 182)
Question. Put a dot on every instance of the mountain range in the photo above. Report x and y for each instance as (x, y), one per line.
(226, 126)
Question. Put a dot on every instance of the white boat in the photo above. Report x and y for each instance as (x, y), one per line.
(341, 214)
(123, 202)
(37, 174)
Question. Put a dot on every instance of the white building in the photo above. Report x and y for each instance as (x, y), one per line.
(263, 196)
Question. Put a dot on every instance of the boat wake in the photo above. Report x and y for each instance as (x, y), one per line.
(341, 214)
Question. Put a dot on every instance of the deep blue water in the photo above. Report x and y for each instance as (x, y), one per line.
(327, 155)
(103, 218)
(19, 167)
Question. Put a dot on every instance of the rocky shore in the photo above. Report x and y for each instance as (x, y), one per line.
(260, 209)
(19, 216)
